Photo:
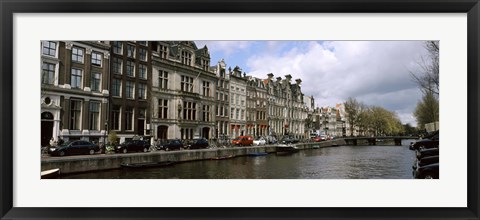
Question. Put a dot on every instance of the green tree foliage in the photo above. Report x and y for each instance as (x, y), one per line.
(352, 109)
(112, 138)
(372, 120)
(427, 110)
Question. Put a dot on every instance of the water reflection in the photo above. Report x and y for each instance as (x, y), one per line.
(344, 162)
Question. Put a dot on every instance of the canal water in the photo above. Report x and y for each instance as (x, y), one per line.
(342, 162)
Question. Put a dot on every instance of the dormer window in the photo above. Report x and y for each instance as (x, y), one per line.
(205, 64)
(163, 51)
(186, 58)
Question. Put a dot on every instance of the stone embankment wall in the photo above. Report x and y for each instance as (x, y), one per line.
(89, 163)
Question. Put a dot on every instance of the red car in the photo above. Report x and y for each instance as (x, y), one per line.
(317, 139)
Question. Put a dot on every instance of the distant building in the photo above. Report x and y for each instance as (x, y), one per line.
(286, 114)
(238, 93)
(130, 83)
(222, 101)
(184, 87)
(257, 98)
(74, 90)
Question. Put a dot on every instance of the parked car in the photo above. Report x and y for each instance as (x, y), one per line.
(425, 161)
(289, 140)
(243, 141)
(73, 148)
(317, 139)
(429, 171)
(426, 143)
(199, 143)
(259, 141)
(427, 152)
(132, 146)
(271, 140)
(172, 144)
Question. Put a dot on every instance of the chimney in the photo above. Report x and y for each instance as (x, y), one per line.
(279, 79)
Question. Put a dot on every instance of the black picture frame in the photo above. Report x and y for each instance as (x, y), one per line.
(10, 7)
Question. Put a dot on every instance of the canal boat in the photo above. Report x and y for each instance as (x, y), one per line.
(148, 164)
(257, 154)
(286, 149)
(48, 174)
(224, 157)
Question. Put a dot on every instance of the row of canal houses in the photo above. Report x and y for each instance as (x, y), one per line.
(160, 90)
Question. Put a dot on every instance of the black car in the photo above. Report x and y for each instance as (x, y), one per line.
(425, 161)
(427, 152)
(73, 148)
(430, 141)
(133, 146)
(198, 144)
(167, 145)
(429, 171)
(289, 140)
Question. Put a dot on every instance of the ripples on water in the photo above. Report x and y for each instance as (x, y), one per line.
(344, 162)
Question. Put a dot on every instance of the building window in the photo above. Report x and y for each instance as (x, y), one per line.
(95, 82)
(117, 47)
(48, 73)
(130, 88)
(142, 71)
(96, 59)
(142, 91)
(238, 114)
(206, 113)
(75, 114)
(77, 55)
(144, 43)
(163, 51)
(94, 117)
(117, 65)
(130, 68)
(186, 84)
(76, 78)
(205, 64)
(49, 48)
(116, 117)
(226, 97)
(237, 99)
(162, 108)
(206, 89)
(116, 87)
(186, 58)
(232, 111)
(131, 51)
(162, 79)
(142, 54)
(129, 118)
(189, 110)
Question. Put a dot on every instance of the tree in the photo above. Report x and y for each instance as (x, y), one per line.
(352, 109)
(427, 77)
(427, 110)
(112, 138)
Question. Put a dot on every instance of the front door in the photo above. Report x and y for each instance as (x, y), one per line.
(46, 128)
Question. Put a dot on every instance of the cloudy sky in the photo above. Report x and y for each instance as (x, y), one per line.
(374, 72)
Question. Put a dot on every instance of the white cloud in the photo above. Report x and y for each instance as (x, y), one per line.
(375, 72)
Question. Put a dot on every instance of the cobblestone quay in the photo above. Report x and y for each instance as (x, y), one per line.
(89, 163)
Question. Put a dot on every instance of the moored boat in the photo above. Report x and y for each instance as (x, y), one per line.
(224, 157)
(148, 164)
(286, 149)
(48, 174)
(257, 154)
